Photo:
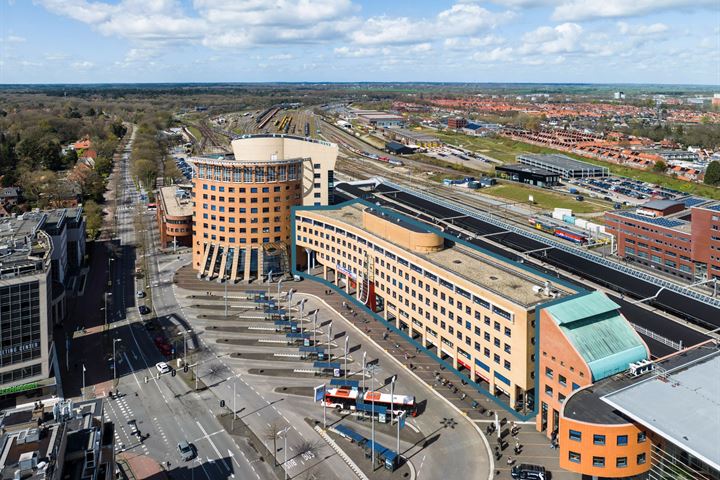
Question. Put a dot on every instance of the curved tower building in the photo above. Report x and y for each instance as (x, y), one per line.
(243, 201)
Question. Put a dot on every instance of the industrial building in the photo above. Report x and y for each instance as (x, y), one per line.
(26, 294)
(397, 148)
(242, 203)
(174, 216)
(527, 174)
(57, 440)
(680, 238)
(656, 419)
(410, 138)
(468, 306)
(562, 164)
(376, 119)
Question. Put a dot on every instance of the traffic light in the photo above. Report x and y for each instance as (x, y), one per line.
(186, 368)
(222, 403)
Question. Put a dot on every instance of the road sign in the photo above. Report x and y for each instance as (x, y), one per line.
(319, 392)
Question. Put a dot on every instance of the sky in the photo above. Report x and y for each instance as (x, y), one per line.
(563, 41)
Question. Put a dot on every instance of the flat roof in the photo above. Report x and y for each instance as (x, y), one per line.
(174, 205)
(679, 401)
(672, 223)
(662, 204)
(501, 277)
(519, 167)
(560, 161)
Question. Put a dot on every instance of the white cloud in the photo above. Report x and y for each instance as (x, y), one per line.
(642, 30)
(460, 20)
(13, 39)
(360, 52)
(576, 10)
(456, 43)
(281, 56)
(82, 65)
(564, 38)
(498, 54)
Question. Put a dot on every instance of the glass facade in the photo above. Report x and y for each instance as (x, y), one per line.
(19, 323)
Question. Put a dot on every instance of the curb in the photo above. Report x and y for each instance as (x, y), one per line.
(353, 466)
(460, 412)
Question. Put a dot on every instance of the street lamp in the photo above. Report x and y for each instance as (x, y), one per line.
(278, 295)
(185, 334)
(115, 340)
(107, 294)
(284, 434)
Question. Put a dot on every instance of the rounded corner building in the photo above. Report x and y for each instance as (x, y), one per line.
(243, 201)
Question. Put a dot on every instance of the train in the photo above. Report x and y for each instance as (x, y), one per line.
(564, 233)
(372, 156)
(307, 129)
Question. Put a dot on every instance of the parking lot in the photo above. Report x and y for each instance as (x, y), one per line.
(621, 189)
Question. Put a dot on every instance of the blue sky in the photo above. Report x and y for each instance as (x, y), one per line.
(595, 41)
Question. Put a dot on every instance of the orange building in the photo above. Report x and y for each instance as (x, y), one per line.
(174, 216)
(242, 202)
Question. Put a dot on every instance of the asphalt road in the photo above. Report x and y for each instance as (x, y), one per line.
(165, 408)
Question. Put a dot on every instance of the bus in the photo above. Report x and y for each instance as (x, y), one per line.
(346, 398)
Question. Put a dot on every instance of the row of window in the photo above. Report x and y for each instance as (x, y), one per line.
(620, 462)
(222, 238)
(249, 174)
(621, 440)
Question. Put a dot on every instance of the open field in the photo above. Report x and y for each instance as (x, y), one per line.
(546, 200)
(505, 149)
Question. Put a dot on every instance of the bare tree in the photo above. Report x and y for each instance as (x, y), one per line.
(272, 433)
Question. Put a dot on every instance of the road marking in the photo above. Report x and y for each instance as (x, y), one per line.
(205, 435)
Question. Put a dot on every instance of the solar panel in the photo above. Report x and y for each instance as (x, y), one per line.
(662, 222)
(692, 201)
(714, 207)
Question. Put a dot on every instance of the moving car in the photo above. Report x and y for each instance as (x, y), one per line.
(162, 367)
(143, 309)
(187, 451)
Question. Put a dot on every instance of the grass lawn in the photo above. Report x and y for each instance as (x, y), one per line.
(546, 200)
(505, 149)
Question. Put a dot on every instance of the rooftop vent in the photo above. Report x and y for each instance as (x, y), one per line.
(643, 366)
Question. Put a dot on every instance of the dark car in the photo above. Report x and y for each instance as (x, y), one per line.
(143, 309)
(526, 471)
(187, 450)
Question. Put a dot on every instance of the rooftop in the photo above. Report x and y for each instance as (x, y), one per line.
(688, 379)
(504, 278)
(24, 247)
(600, 334)
(662, 204)
(519, 167)
(665, 222)
(557, 160)
(176, 203)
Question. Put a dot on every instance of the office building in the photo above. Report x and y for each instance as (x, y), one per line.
(472, 308)
(457, 123)
(26, 344)
(57, 441)
(680, 238)
(174, 216)
(242, 202)
(655, 420)
(562, 164)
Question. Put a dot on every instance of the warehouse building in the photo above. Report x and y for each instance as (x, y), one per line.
(376, 119)
(681, 238)
(527, 174)
(242, 203)
(397, 148)
(473, 309)
(411, 138)
(562, 164)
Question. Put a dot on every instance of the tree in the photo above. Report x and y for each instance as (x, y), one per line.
(660, 166)
(272, 433)
(103, 166)
(712, 174)
(93, 217)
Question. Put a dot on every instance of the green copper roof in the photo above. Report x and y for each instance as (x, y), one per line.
(599, 333)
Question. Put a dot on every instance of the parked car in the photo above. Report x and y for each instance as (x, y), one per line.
(140, 294)
(187, 450)
(143, 309)
(526, 471)
(162, 367)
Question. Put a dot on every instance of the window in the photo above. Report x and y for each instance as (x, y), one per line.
(621, 462)
(598, 461)
(548, 372)
(641, 437)
(574, 457)
(549, 392)
(562, 380)
(575, 435)
(599, 439)
(641, 458)
(622, 440)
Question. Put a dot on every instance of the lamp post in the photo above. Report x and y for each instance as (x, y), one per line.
(363, 371)
(226, 306)
(83, 387)
(372, 434)
(347, 339)
(278, 295)
(185, 334)
(284, 434)
(315, 314)
(107, 294)
(115, 340)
